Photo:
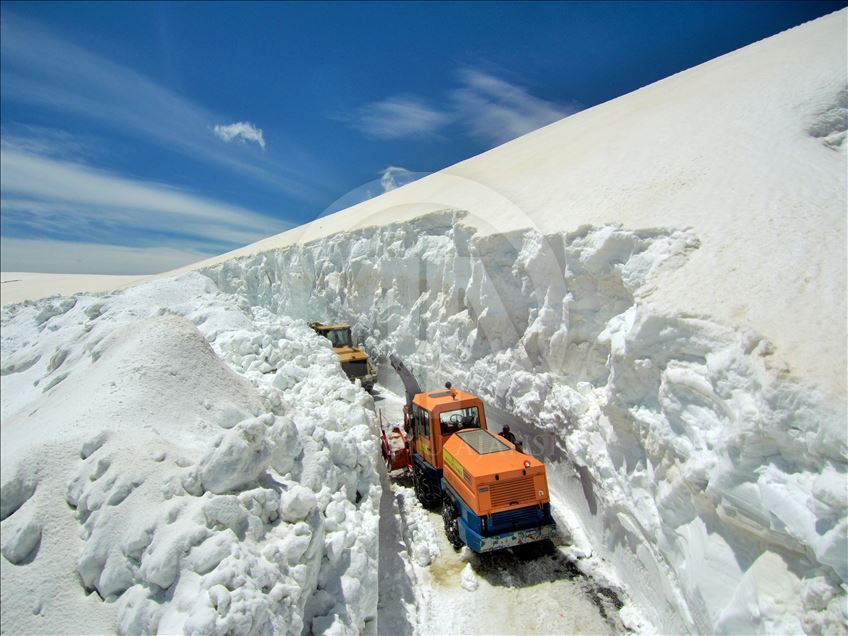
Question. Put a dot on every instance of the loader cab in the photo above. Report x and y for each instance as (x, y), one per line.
(340, 337)
(437, 415)
(354, 360)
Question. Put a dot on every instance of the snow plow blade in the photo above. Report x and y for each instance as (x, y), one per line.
(395, 450)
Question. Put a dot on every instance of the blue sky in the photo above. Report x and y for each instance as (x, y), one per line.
(137, 137)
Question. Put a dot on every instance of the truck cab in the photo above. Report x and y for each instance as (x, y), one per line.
(354, 360)
(439, 414)
(492, 495)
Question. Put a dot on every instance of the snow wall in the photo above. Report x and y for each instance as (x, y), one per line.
(177, 461)
(713, 480)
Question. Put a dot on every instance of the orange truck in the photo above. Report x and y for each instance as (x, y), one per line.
(492, 495)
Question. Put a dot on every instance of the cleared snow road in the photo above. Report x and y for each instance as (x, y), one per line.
(427, 587)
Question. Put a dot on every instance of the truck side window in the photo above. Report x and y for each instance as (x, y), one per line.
(422, 420)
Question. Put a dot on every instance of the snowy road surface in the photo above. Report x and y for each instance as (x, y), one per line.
(427, 587)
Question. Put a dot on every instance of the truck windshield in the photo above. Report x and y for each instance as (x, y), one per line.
(339, 337)
(483, 442)
(459, 419)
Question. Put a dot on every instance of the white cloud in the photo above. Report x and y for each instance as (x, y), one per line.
(52, 197)
(50, 142)
(390, 178)
(70, 257)
(487, 107)
(243, 130)
(496, 111)
(399, 117)
(55, 180)
(395, 176)
(44, 69)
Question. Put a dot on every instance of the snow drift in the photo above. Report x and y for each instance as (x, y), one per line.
(190, 495)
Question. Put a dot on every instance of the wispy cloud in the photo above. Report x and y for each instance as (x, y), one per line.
(390, 178)
(399, 117)
(51, 142)
(394, 177)
(42, 68)
(496, 111)
(47, 197)
(243, 130)
(485, 107)
(77, 257)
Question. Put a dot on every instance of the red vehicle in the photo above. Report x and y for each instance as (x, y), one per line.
(395, 450)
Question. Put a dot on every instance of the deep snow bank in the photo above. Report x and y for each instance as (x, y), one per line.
(191, 495)
(715, 484)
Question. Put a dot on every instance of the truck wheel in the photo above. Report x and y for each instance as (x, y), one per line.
(422, 488)
(450, 515)
(418, 483)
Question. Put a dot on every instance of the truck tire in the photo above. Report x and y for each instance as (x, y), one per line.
(423, 490)
(450, 515)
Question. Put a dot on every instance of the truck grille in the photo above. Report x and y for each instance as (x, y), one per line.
(355, 369)
(512, 492)
(518, 518)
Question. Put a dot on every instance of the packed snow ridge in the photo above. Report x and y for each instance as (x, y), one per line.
(712, 480)
(188, 464)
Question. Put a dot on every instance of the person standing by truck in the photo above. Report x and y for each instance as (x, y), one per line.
(507, 435)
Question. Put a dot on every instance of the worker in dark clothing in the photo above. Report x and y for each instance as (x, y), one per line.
(507, 435)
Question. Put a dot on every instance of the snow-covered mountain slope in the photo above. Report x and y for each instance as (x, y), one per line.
(16, 287)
